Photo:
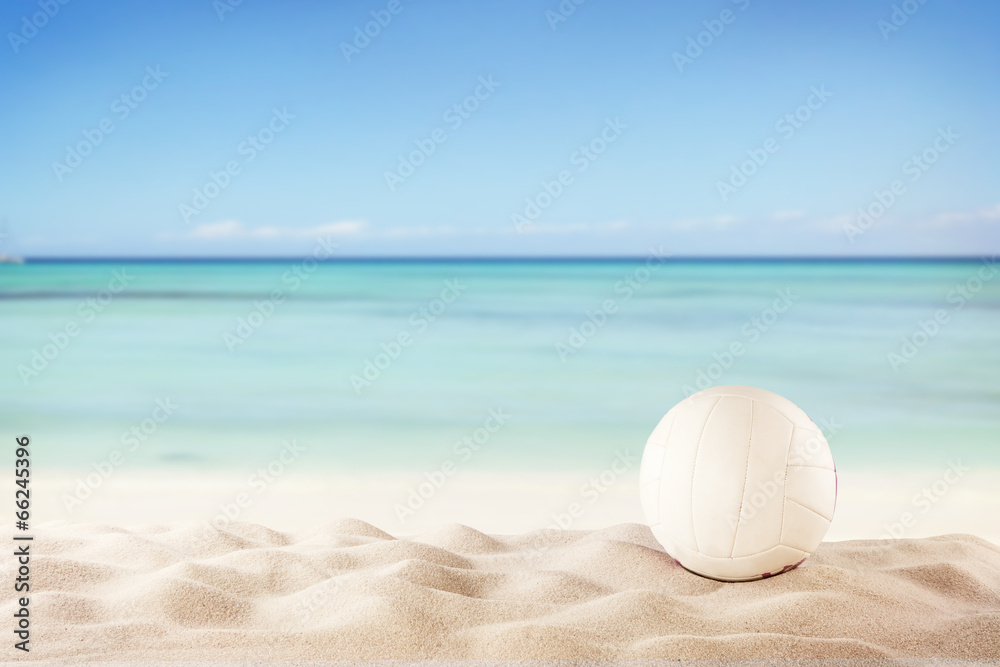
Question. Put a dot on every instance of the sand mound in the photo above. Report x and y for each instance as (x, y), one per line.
(462, 539)
(347, 590)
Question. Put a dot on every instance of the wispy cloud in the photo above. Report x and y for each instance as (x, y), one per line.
(716, 222)
(781, 220)
(606, 227)
(970, 216)
(502, 230)
(834, 224)
(423, 231)
(228, 230)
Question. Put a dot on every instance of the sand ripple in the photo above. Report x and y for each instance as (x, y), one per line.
(348, 590)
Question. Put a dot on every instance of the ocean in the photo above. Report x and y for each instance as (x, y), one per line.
(533, 365)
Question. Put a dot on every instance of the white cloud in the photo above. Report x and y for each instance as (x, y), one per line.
(409, 232)
(717, 222)
(605, 227)
(782, 219)
(235, 230)
(835, 224)
(217, 230)
(229, 230)
(970, 216)
(503, 230)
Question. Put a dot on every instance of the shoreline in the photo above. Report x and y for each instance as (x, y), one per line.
(871, 504)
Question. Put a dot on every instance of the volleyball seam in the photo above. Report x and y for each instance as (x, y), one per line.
(746, 479)
(694, 469)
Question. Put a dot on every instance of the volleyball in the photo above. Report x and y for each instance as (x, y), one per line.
(737, 483)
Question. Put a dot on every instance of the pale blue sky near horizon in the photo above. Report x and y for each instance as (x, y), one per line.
(671, 134)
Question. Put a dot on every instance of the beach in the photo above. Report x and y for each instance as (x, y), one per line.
(871, 504)
(407, 460)
(348, 590)
(535, 583)
(468, 334)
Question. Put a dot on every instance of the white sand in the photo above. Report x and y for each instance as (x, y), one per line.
(870, 503)
(350, 591)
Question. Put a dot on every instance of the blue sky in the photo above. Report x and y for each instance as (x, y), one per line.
(645, 142)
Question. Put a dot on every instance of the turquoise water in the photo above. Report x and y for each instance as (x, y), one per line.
(493, 347)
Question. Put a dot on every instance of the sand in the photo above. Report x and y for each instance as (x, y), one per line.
(870, 504)
(347, 590)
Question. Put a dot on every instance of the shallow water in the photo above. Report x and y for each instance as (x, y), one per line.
(505, 343)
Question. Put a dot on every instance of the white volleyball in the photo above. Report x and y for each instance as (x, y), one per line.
(737, 483)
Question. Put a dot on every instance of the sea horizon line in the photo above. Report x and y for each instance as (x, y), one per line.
(195, 259)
